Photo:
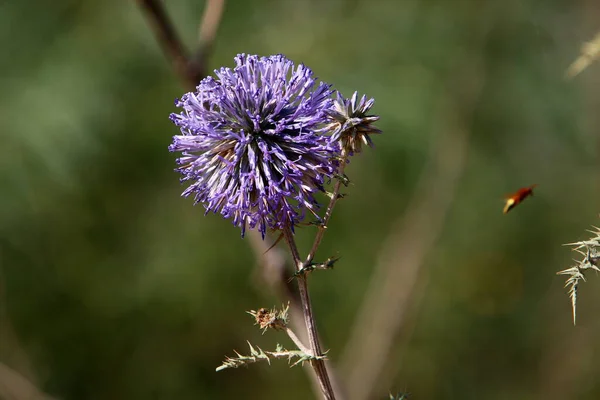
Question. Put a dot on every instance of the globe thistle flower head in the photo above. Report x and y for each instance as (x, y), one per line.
(351, 124)
(252, 142)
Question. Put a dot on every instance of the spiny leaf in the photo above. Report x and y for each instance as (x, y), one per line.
(257, 354)
(576, 273)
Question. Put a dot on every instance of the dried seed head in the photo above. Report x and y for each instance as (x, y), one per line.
(275, 319)
(350, 124)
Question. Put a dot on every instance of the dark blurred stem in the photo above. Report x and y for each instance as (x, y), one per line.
(167, 37)
(309, 320)
(334, 198)
(189, 70)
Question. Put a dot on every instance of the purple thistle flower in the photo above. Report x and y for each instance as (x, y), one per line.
(253, 144)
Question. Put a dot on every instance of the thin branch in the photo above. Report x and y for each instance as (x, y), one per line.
(334, 198)
(207, 33)
(395, 280)
(309, 320)
(590, 51)
(297, 341)
(16, 387)
(168, 39)
(273, 269)
(190, 71)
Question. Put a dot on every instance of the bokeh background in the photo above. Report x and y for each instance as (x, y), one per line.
(114, 287)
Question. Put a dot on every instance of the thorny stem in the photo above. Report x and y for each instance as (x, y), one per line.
(334, 198)
(311, 327)
(274, 270)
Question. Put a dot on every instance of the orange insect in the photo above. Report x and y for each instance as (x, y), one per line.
(514, 199)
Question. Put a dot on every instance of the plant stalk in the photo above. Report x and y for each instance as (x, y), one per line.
(311, 326)
(332, 202)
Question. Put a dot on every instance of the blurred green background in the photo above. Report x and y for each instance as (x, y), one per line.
(114, 287)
